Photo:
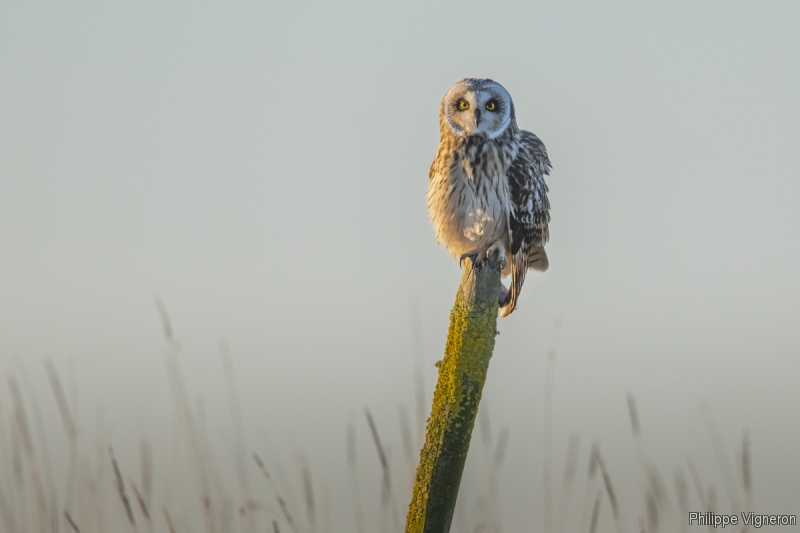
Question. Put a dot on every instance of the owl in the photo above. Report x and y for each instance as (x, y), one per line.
(487, 191)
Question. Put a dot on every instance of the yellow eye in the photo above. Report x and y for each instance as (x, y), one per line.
(463, 105)
(491, 105)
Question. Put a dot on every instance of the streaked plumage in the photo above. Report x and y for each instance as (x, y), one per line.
(487, 187)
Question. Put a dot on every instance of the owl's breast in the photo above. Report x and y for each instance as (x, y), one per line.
(469, 203)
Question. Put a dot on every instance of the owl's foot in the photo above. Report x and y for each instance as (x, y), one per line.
(495, 254)
(476, 257)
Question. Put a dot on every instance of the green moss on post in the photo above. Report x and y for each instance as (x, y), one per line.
(462, 373)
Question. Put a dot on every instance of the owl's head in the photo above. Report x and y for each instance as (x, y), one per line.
(477, 107)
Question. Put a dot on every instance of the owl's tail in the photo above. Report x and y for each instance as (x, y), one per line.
(534, 258)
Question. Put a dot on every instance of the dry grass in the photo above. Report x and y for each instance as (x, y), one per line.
(355, 485)
(596, 511)
(120, 486)
(33, 499)
(570, 469)
(387, 494)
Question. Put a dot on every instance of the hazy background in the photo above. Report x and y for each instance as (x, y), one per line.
(262, 168)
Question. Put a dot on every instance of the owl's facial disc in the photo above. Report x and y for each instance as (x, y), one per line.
(477, 107)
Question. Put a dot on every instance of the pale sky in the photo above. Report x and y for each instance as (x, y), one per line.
(262, 168)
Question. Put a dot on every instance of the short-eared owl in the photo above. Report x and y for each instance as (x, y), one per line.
(487, 189)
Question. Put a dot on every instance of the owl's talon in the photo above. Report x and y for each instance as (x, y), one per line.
(476, 257)
(497, 258)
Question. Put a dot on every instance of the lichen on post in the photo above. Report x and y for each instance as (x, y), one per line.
(462, 373)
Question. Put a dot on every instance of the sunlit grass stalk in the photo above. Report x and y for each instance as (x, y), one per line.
(176, 496)
(44, 449)
(186, 415)
(142, 506)
(123, 495)
(612, 495)
(80, 503)
(281, 502)
(71, 522)
(99, 496)
(637, 438)
(146, 453)
(596, 511)
(462, 374)
(238, 433)
(308, 492)
(570, 468)
(355, 487)
(218, 506)
(387, 494)
(590, 484)
(655, 493)
(30, 455)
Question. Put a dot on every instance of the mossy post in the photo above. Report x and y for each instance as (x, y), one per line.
(462, 373)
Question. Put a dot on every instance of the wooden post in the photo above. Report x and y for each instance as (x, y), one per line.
(462, 373)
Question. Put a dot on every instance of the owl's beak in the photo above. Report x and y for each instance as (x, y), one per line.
(477, 117)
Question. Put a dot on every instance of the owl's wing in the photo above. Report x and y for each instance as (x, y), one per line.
(530, 213)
